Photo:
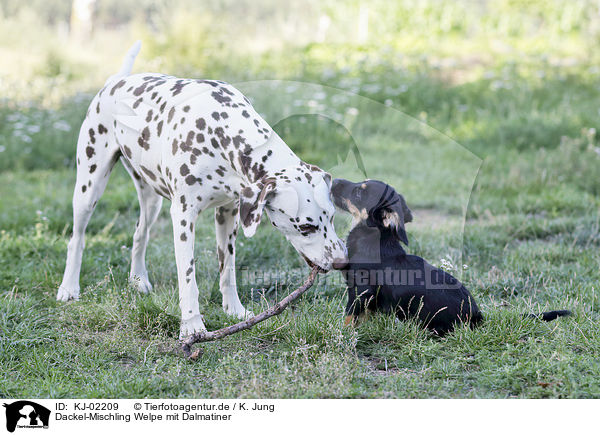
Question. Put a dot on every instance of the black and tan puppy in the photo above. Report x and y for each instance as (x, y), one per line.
(381, 276)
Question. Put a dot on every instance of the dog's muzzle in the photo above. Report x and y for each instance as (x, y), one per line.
(340, 263)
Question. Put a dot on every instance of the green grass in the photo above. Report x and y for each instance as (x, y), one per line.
(495, 150)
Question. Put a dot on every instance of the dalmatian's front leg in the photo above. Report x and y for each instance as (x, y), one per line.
(183, 217)
(226, 225)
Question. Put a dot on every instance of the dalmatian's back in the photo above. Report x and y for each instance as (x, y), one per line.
(171, 130)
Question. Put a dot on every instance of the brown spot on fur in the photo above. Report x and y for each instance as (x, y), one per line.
(187, 146)
(221, 257)
(148, 172)
(120, 84)
(139, 90)
(143, 139)
(220, 97)
(219, 217)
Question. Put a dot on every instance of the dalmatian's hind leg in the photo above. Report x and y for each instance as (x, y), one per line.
(226, 226)
(150, 204)
(96, 157)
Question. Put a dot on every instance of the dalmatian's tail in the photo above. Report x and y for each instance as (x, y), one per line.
(127, 62)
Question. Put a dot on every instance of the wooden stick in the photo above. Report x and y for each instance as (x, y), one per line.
(200, 337)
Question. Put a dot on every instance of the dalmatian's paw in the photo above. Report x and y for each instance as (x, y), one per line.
(238, 311)
(65, 294)
(141, 283)
(192, 325)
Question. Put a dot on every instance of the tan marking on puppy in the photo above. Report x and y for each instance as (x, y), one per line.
(357, 214)
(391, 218)
(355, 320)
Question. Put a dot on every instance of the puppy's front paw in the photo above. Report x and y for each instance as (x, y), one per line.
(191, 326)
(65, 294)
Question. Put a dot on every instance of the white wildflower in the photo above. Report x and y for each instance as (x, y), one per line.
(319, 95)
(61, 125)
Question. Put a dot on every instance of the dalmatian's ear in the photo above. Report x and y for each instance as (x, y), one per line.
(286, 201)
(252, 203)
(323, 194)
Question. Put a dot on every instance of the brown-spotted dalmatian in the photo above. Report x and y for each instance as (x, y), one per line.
(200, 144)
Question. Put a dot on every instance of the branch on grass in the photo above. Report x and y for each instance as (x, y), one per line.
(200, 337)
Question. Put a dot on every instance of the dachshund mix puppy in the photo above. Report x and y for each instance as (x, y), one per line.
(381, 276)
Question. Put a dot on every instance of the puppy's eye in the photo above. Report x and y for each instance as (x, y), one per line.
(357, 192)
(306, 229)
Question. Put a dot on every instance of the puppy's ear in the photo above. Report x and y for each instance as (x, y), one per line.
(252, 203)
(395, 216)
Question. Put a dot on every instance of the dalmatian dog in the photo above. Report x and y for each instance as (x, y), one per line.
(200, 144)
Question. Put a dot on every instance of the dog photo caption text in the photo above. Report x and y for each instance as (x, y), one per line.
(158, 411)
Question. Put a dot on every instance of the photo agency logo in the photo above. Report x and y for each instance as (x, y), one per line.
(25, 414)
(259, 280)
(356, 138)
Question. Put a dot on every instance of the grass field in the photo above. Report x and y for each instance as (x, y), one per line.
(491, 137)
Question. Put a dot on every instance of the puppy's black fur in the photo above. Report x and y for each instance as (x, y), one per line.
(381, 276)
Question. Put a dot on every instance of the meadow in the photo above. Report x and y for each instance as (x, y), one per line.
(484, 115)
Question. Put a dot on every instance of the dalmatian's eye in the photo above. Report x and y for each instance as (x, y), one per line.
(306, 229)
